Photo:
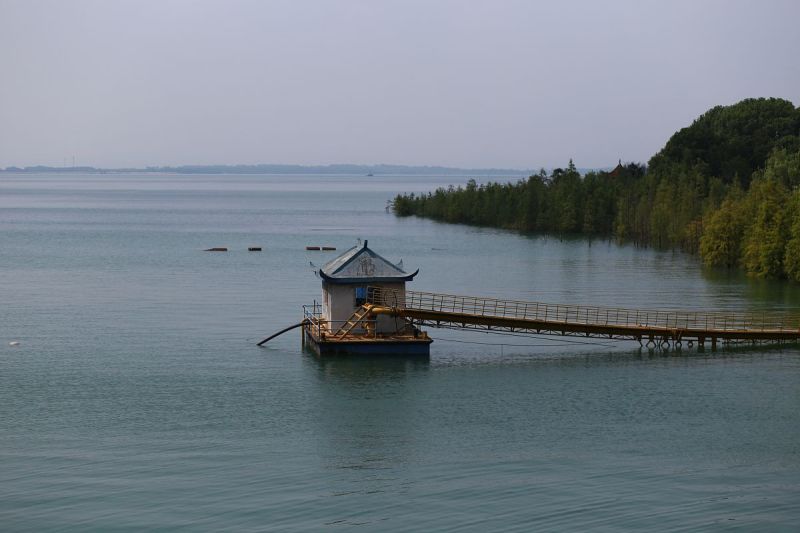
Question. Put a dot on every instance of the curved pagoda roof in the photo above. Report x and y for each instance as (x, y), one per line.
(359, 264)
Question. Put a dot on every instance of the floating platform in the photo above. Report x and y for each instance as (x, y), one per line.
(326, 345)
(359, 336)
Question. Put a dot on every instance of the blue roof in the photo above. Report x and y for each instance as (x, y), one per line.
(359, 264)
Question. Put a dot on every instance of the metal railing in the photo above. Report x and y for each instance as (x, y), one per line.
(584, 315)
(321, 327)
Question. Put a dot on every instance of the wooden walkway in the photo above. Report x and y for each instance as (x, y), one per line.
(653, 328)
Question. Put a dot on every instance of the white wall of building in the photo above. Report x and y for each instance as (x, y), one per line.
(339, 302)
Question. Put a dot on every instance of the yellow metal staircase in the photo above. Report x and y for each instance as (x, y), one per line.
(355, 319)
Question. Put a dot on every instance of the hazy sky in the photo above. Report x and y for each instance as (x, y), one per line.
(495, 83)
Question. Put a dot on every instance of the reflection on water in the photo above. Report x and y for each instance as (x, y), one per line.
(360, 368)
(366, 425)
(759, 294)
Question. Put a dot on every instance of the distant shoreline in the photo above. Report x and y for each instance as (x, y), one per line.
(374, 170)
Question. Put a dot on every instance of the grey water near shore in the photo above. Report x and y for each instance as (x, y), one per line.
(137, 399)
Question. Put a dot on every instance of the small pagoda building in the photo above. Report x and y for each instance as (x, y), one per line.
(345, 323)
(345, 281)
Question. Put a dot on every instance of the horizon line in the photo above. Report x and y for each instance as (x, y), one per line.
(292, 167)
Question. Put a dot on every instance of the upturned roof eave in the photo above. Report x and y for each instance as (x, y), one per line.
(378, 279)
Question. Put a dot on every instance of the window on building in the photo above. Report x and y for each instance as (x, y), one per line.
(361, 295)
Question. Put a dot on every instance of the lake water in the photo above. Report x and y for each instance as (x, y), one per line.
(137, 398)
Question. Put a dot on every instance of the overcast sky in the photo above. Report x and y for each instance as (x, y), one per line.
(493, 83)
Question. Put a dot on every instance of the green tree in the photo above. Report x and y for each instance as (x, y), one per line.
(791, 258)
(724, 228)
(766, 238)
(695, 194)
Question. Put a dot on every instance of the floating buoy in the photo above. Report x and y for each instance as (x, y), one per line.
(254, 249)
(216, 250)
(313, 248)
(13, 343)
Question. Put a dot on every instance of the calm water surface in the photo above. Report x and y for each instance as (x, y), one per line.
(137, 399)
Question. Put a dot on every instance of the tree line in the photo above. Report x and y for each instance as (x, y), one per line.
(726, 187)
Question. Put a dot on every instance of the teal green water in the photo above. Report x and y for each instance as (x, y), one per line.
(136, 398)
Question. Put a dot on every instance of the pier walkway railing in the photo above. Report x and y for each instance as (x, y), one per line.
(655, 326)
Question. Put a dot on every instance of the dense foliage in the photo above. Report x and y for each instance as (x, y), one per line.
(726, 187)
